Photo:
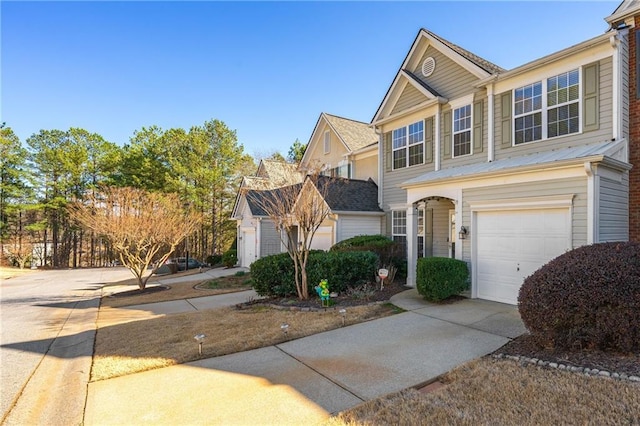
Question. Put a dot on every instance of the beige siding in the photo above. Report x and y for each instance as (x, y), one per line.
(410, 97)
(605, 131)
(577, 186)
(613, 223)
(475, 156)
(366, 168)
(335, 154)
(449, 79)
(623, 48)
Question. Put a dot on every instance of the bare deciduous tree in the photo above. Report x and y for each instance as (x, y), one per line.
(297, 212)
(143, 227)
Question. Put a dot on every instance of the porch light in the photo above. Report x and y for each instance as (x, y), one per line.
(463, 233)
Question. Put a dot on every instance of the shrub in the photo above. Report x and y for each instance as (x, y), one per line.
(230, 258)
(441, 277)
(274, 275)
(588, 297)
(214, 259)
(389, 252)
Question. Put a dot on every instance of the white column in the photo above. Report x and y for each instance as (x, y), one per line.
(412, 245)
(490, 124)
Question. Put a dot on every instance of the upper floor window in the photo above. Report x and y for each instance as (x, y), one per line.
(343, 170)
(547, 108)
(408, 145)
(462, 131)
(327, 142)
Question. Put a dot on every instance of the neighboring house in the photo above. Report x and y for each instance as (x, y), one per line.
(343, 148)
(505, 169)
(256, 233)
(627, 15)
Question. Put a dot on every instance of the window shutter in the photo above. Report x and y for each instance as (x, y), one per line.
(505, 105)
(478, 118)
(428, 140)
(446, 134)
(387, 151)
(590, 97)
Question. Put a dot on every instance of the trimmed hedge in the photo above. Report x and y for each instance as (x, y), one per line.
(588, 297)
(441, 277)
(389, 252)
(273, 276)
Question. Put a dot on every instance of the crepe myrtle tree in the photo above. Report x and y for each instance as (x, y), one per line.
(297, 212)
(144, 228)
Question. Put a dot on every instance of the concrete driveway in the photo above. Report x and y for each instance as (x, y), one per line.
(305, 380)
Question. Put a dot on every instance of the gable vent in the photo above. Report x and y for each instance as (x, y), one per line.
(428, 66)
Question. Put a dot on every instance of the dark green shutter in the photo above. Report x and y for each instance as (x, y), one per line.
(387, 151)
(505, 116)
(590, 97)
(478, 119)
(446, 134)
(428, 140)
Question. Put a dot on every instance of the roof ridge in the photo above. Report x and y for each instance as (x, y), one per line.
(478, 60)
(345, 118)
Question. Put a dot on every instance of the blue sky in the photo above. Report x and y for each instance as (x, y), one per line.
(267, 69)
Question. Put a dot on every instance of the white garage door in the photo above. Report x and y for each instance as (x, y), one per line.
(248, 247)
(323, 238)
(512, 245)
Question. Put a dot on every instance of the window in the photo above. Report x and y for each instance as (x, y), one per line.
(421, 232)
(547, 108)
(327, 142)
(343, 171)
(462, 131)
(408, 145)
(399, 226)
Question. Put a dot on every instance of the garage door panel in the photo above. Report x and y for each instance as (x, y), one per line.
(512, 245)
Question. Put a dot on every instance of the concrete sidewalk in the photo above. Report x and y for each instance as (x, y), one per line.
(303, 381)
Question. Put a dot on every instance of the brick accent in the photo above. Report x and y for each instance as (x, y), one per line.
(634, 139)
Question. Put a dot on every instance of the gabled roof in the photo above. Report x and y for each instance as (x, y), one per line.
(625, 9)
(349, 195)
(488, 66)
(578, 154)
(342, 195)
(278, 173)
(476, 65)
(354, 134)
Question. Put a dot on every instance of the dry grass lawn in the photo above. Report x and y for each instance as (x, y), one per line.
(7, 272)
(131, 347)
(185, 290)
(502, 392)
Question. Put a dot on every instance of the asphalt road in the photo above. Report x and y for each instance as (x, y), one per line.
(47, 330)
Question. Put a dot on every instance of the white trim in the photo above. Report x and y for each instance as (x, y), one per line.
(552, 201)
(418, 86)
(436, 136)
(411, 238)
(462, 101)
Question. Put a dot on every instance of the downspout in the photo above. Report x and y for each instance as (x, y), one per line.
(616, 109)
(258, 238)
(490, 123)
(378, 132)
(437, 138)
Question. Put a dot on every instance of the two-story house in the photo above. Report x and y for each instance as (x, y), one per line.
(505, 169)
(627, 15)
(346, 151)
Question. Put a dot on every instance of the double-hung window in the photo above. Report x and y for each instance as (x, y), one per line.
(408, 145)
(462, 131)
(399, 226)
(547, 108)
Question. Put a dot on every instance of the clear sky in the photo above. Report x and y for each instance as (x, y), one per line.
(267, 69)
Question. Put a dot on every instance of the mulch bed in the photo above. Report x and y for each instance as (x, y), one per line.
(525, 346)
(138, 292)
(343, 300)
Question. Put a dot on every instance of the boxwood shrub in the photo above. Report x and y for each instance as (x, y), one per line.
(441, 277)
(389, 252)
(588, 297)
(274, 275)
